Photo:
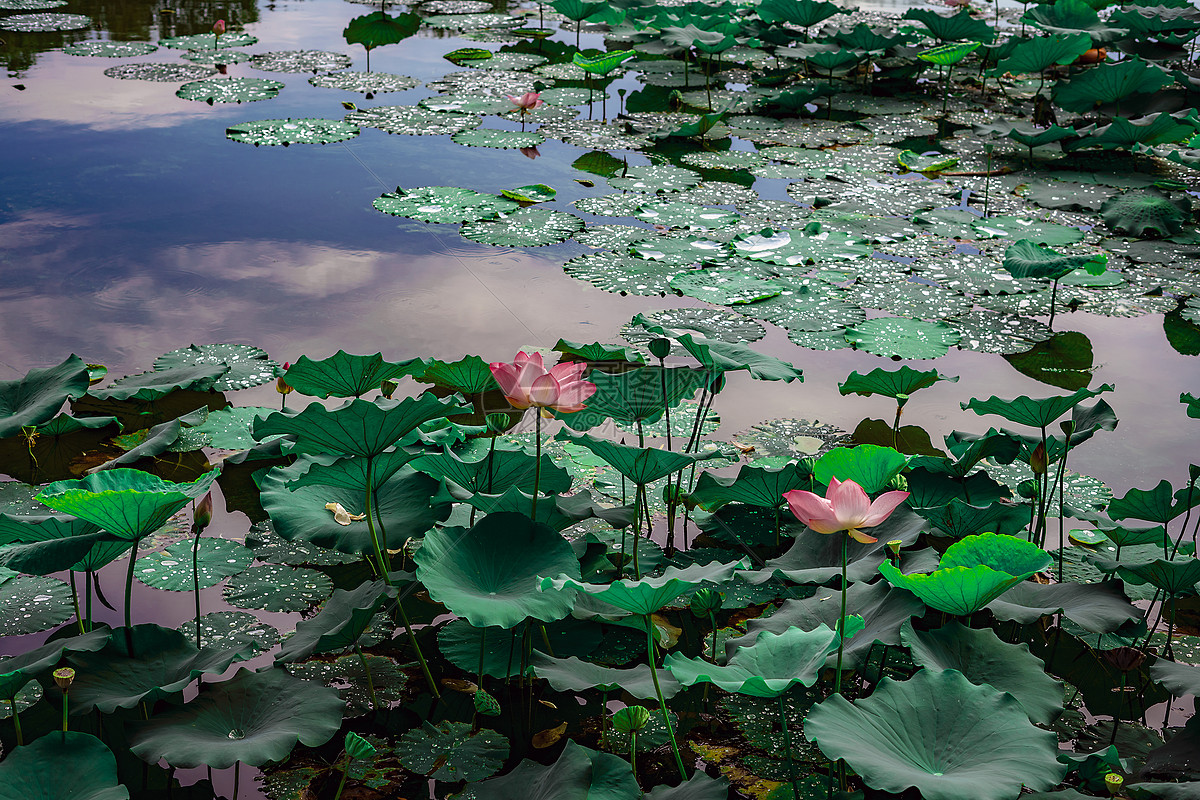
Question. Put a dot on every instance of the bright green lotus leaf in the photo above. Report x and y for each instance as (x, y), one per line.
(599, 352)
(488, 574)
(446, 204)
(128, 503)
(1152, 505)
(578, 774)
(254, 718)
(1070, 17)
(1173, 577)
(1028, 259)
(1042, 52)
(636, 395)
(452, 751)
(339, 624)
(379, 29)
(1109, 83)
(946, 55)
(1048, 233)
(804, 13)
(984, 658)
(359, 427)
(496, 473)
(642, 465)
(160, 383)
(59, 766)
(1097, 607)
(954, 590)
(958, 739)
(576, 675)
(755, 485)
(1193, 404)
(351, 472)
(15, 670)
(469, 375)
(345, 375)
(1035, 413)
(171, 569)
(770, 666)
(533, 193)
(145, 664)
(959, 518)
(906, 338)
(868, 465)
(1005, 553)
(30, 603)
(648, 595)
(897, 384)
(467, 55)
(603, 63)
(915, 162)
(957, 28)
(37, 397)
(1126, 134)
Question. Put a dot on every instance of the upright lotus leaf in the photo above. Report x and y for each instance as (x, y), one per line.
(1152, 505)
(1035, 413)
(344, 375)
(351, 472)
(1070, 17)
(360, 427)
(577, 10)
(636, 395)
(254, 718)
(648, 595)
(718, 356)
(1109, 83)
(945, 55)
(560, 514)
(45, 545)
(42, 658)
(578, 774)
(698, 787)
(602, 64)
(868, 465)
(148, 664)
(770, 666)
(575, 675)
(897, 384)
(59, 766)
(959, 518)
(452, 751)
(1178, 679)
(469, 375)
(1005, 553)
(968, 449)
(1035, 55)
(959, 27)
(804, 13)
(984, 658)
(37, 397)
(1173, 577)
(1097, 607)
(340, 623)
(941, 734)
(1126, 134)
(128, 503)
(642, 465)
(379, 29)
(489, 573)
(755, 485)
(497, 472)
(598, 352)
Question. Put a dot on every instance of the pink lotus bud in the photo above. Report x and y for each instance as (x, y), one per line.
(203, 514)
(219, 27)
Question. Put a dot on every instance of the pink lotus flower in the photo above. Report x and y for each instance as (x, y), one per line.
(845, 507)
(526, 102)
(526, 383)
(219, 27)
(530, 152)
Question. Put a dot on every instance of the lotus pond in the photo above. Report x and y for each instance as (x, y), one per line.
(852, 300)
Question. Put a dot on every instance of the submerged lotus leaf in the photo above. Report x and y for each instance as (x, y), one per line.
(655, 178)
(33, 603)
(906, 338)
(711, 323)
(960, 740)
(233, 90)
(444, 204)
(611, 237)
(37, 397)
(501, 140)
(624, 204)
(291, 131)
(270, 587)
(37, 770)
(1068, 195)
(729, 159)
(526, 227)
(248, 366)
(914, 299)
(253, 718)
(1046, 233)
(1146, 213)
(171, 569)
(209, 41)
(364, 82)
(105, 49)
(299, 61)
(38, 23)
(648, 595)
(614, 272)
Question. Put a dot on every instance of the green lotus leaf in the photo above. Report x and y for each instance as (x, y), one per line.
(359, 427)
(344, 375)
(45, 545)
(443, 204)
(1154, 21)
(720, 356)
(1048, 233)
(37, 770)
(636, 395)
(945, 55)
(233, 630)
(804, 13)
(146, 664)
(700, 786)
(351, 472)
(1035, 413)
(44, 22)
(1108, 83)
(915, 162)
(22, 667)
(379, 29)
(770, 666)
(576, 675)
(29, 604)
(452, 751)
(906, 338)
(526, 227)
(1126, 134)
(461, 643)
(1097, 607)
(1193, 404)
(160, 383)
(254, 718)
(647, 595)
(835, 61)
(1152, 505)
(984, 658)
(959, 27)
(959, 518)
(469, 375)
(1178, 679)
(1070, 17)
(1035, 55)
(248, 366)
(960, 740)
(755, 485)
(233, 90)
(291, 131)
(577, 10)
(533, 193)
(897, 384)
(1005, 553)
(128, 503)
(104, 49)
(1029, 259)
(353, 679)
(603, 63)
(954, 590)
(642, 465)
(209, 41)
(271, 587)
(599, 352)
(578, 774)
(20, 693)
(171, 569)
(1173, 577)
(864, 37)
(967, 451)
(699, 126)
(1146, 214)
(792, 247)
(467, 55)
(868, 465)
(501, 140)
(496, 473)
(37, 397)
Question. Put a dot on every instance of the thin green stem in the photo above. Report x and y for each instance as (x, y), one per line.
(129, 599)
(75, 603)
(662, 704)
(537, 464)
(787, 749)
(370, 681)
(196, 583)
(345, 774)
(12, 705)
(64, 709)
(841, 626)
(412, 638)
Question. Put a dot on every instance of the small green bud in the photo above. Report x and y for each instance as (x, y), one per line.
(358, 747)
(202, 515)
(631, 718)
(706, 601)
(660, 348)
(486, 704)
(1037, 460)
(497, 423)
(1028, 489)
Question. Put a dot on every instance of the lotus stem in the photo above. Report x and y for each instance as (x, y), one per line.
(237, 777)
(370, 681)
(88, 579)
(841, 626)
(546, 640)
(65, 724)
(662, 704)
(604, 721)
(412, 638)
(1187, 516)
(196, 583)
(345, 774)
(129, 599)
(75, 603)
(381, 558)
(633, 754)
(637, 530)
(537, 463)
(787, 748)
(1053, 300)
(12, 705)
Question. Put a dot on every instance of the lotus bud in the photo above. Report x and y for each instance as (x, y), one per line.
(358, 747)
(705, 601)
(1068, 428)
(387, 389)
(218, 27)
(631, 719)
(1037, 459)
(282, 385)
(202, 516)
(718, 384)
(1028, 489)
(64, 677)
(497, 423)
(1113, 782)
(1126, 659)
(486, 704)
(672, 495)
(660, 348)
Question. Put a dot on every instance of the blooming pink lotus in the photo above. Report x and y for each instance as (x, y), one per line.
(526, 102)
(527, 383)
(845, 507)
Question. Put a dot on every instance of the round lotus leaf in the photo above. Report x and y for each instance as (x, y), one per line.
(161, 73)
(1047, 233)
(726, 288)
(466, 105)
(455, 6)
(232, 630)
(291, 131)
(1145, 214)
(806, 310)
(271, 548)
(39, 23)
(729, 159)
(412, 121)
(1068, 195)
(906, 338)
(515, 61)
(461, 21)
(711, 323)
(1082, 491)
(960, 740)
(452, 751)
(106, 49)
(30, 5)
(820, 340)
(347, 675)
(272, 587)
(299, 61)
(29, 604)
(364, 82)
(234, 90)
(444, 204)
(655, 178)
(610, 237)
(611, 205)
(215, 56)
(679, 252)
(995, 332)
(26, 697)
(61, 765)
(501, 140)
(209, 41)
(614, 272)
(685, 215)
(595, 135)
(717, 193)
(248, 366)
(527, 227)
(800, 247)
(253, 718)
(913, 299)
(171, 569)
(484, 83)
(128, 503)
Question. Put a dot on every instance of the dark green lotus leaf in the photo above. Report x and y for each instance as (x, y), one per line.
(576, 675)
(379, 29)
(128, 503)
(1035, 55)
(488, 574)
(960, 740)
(271, 587)
(730, 289)
(345, 375)
(443, 204)
(461, 643)
(469, 375)
(369, 83)
(1173, 577)
(1047, 233)
(37, 397)
(161, 73)
(19, 693)
(248, 366)
(232, 630)
(756, 485)
(804, 13)
(795, 247)
(1152, 505)
(1097, 607)
(145, 664)
(44, 545)
(1035, 413)
(770, 666)
(959, 27)
(209, 41)
(599, 352)
(496, 473)
(1126, 134)
(968, 450)
(533, 193)
(37, 770)
(898, 384)
(959, 518)
(452, 751)
(42, 658)
(254, 718)
(906, 338)
(171, 569)
(291, 131)
(718, 356)
(642, 465)
(1193, 404)
(700, 786)
(636, 395)
(526, 227)
(868, 465)
(1178, 679)
(159, 383)
(1108, 82)
(648, 595)
(359, 427)
(1146, 213)
(29, 604)
(984, 658)
(354, 680)
(1070, 17)
(1068, 195)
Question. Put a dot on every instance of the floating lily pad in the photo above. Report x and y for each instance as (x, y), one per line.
(494, 83)
(104, 49)
(800, 247)
(33, 603)
(364, 82)
(443, 204)
(462, 21)
(208, 41)
(685, 215)
(729, 159)
(347, 675)
(275, 588)
(680, 252)
(215, 56)
(30, 5)
(1047, 233)
(161, 73)
(997, 332)
(654, 179)
(412, 121)
(39, 23)
(452, 751)
(806, 310)
(526, 227)
(501, 140)
(610, 237)
(299, 61)
(791, 438)
(291, 131)
(232, 630)
(171, 569)
(906, 338)
(614, 272)
(730, 288)
(248, 366)
(913, 299)
(611, 205)
(234, 90)
(710, 323)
